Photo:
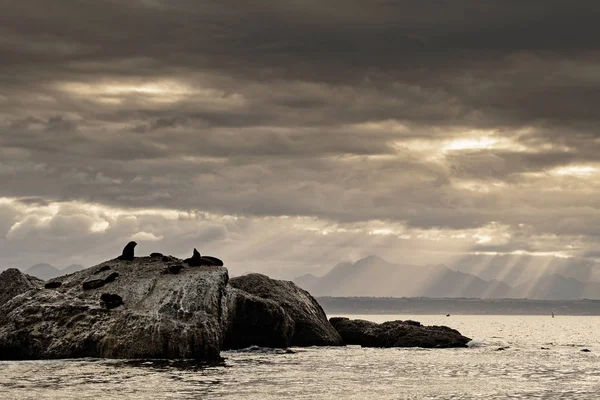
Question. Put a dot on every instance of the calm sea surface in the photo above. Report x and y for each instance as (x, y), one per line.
(521, 371)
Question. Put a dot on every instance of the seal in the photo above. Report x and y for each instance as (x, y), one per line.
(215, 260)
(128, 252)
(53, 285)
(197, 260)
(111, 300)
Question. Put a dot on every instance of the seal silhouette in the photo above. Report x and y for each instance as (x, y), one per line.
(128, 252)
(197, 260)
(215, 260)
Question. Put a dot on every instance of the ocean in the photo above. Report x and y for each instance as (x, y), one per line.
(511, 357)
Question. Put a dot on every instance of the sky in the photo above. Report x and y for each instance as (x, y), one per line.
(286, 136)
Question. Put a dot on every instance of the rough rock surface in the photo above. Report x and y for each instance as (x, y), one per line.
(311, 325)
(397, 334)
(163, 316)
(254, 321)
(14, 282)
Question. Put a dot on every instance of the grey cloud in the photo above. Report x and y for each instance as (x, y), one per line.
(316, 111)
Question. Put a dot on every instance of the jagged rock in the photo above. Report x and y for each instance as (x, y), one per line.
(13, 282)
(165, 316)
(111, 300)
(214, 260)
(311, 325)
(156, 255)
(52, 285)
(128, 252)
(586, 350)
(254, 321)
(397, 334)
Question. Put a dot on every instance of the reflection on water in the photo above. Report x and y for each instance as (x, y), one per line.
(522, 370)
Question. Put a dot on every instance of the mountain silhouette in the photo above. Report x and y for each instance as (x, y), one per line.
(46, 271)
(374, 276)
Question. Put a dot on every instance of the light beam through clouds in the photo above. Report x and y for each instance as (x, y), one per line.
(290, 138)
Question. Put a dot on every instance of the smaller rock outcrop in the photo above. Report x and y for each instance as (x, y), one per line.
(13, 282)
(128, 252)
(156, 255)
(52, 285)
(397, 334)
(311, 327)
(254, 321)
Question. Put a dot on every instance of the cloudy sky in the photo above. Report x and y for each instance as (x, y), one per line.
(287, 136)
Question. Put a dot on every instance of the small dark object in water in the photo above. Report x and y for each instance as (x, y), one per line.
(447, 315)
(111, 300)
(156, 254)
(102, 269)
(173, 269)
(110, 278)
(545, 348)
(586, 350)
(53, 285)
(128, 252)
(215, 260)
(502, 348)
(93, 284)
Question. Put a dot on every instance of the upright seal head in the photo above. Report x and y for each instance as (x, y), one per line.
(197, 260)
(128, 252)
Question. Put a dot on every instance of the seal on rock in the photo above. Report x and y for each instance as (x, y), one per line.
(111, 300)
(215, 260)
(197, 260)
(128, 252)
(53, 285)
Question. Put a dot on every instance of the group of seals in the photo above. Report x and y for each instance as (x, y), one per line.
(197, 260)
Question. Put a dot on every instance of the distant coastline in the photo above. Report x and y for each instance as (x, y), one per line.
(428, 306)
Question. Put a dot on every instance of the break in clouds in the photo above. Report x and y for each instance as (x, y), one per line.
(288, 137)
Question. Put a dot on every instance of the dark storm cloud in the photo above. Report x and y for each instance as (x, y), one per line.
(345, 111)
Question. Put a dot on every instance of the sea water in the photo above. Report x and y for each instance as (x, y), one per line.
(511, 357)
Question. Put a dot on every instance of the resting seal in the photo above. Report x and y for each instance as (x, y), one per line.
(197, 260)
(128, 252)
(215, 260)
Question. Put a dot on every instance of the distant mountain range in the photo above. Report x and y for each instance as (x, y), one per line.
(47, 271)
(374, 276)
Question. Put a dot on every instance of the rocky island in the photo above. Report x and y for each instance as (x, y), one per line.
(163, 307)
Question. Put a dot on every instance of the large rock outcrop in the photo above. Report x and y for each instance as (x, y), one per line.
(154, 307)
(397, 334)
(311, 325)
(14, 282)
(163, 315)
(254, 321)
